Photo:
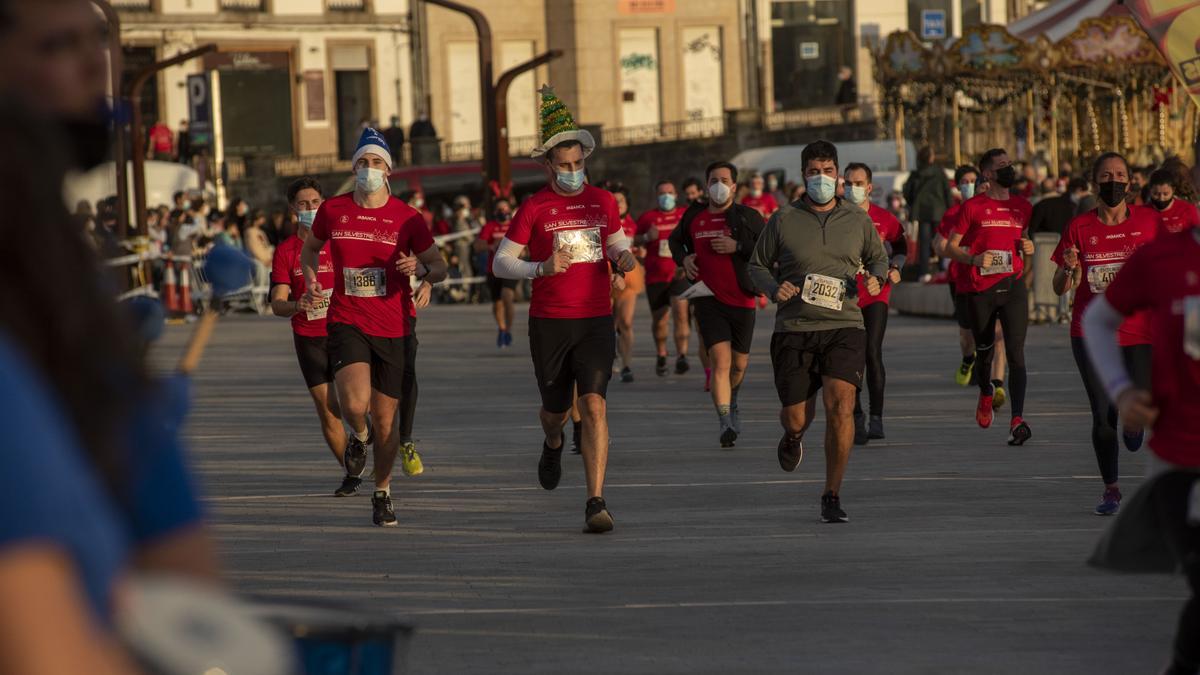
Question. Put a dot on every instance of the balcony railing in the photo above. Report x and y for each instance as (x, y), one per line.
(668, 131)
(244, 5)
(346, 5)
(812, 117)
(132, 5)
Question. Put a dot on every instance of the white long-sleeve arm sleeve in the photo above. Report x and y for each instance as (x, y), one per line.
(617, 244)
(507, 264)
(1100, 324)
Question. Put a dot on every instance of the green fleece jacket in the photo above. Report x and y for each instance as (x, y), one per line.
(799, 244)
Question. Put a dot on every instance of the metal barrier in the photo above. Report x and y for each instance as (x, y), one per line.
(1046, 305)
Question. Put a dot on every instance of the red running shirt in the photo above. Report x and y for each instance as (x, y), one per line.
(491, 234)
(369, 293)
(286, 269)
(764, 204)
(995, 225)
(889, 230)
(716, 269)
(582, 223)
(956, 273)
(1163, 277)
(1103, 250)
(1180, 215)
(660, 266)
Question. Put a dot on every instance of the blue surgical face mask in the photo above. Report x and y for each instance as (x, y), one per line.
(856, 193)
(820, 188)
(569, 180)
(306, 217)
(369, 180)
(967, 190)
(666, 201)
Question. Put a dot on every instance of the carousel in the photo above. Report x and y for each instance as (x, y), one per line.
(1102, 86)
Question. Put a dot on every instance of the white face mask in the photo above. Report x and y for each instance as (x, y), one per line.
(820, 188)
(306, 217)
(718, 194)
(856, 193)
(369, 180)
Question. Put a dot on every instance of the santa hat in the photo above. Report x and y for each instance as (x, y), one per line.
(557, 125)
(372, 142)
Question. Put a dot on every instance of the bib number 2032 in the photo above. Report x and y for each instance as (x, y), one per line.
(365, 282)
(823, 291)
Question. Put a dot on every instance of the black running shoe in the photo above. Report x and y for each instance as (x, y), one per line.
(728, 436)
(875, 427)
(626, 375)
(831, 509)
(381, 503)
(349, 486)
(791, 451)
(356, 457)
(860, 429)
(550, 466)
(681, 365)
(660, 366)
(597, 517)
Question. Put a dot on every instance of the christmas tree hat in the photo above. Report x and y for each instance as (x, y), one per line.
(557, 125)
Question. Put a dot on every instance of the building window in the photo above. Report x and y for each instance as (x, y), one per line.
(811, 40)
(244, 5)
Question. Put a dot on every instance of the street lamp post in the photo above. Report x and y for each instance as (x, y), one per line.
(503, 174)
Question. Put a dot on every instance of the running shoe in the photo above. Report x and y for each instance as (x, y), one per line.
(500, 339)
(998, 394)
(597, 517)
(728, 436)
(735, 420)
(860, 429)
(348, 487)
(1110, 502)
(831, 509)
(577, 438)
(410, 460)
(708, 379)
(356, 456)
(381, 504)
(626, 375)
(660, 366)
(550, 466)
(1019, 432)
(681, 365)
(962, 376)
(507, 338)
(790, 452)
(1133, 439)
(983, 411)
(875, 427)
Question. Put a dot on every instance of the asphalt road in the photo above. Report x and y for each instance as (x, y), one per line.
(962, 554)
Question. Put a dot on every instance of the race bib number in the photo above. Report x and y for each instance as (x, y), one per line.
(1191, 326)
(1100, 276)
(664, 247)
(1002, 263)
(583, 245)
(321, 308)
(365, 282)
(823, 291)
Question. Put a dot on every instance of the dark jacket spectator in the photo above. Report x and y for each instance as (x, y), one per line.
(394, 136)
(927, 192)
(847, 91)
(1053, 213)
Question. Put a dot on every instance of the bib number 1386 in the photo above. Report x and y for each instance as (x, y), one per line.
(365, 282)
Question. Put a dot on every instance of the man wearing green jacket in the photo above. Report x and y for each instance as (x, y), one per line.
(927, 193)
(819, 244)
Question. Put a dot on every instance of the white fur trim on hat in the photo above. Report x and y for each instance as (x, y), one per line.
(370, 149)
(581, 135)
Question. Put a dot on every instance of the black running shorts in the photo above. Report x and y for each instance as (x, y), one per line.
(314, 360)
(801, 359)
(569, 354)
(719, 322)
(495, 284)
(960, 307)
(660, 295)
(386, 356)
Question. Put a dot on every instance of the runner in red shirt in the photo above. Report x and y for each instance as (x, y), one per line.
(759, 200)
(1162, 278)
(874, 307)
(1093, 248)
(502, 291)
(572, 231)
(624, 294)
(991, 241)
(376, 242)
(712, 244)
(1174, 215)
(664, 280)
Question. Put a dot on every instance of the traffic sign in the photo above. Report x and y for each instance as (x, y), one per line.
(933, 24)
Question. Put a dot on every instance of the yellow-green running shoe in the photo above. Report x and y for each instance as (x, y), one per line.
(410, 460)
(962, 376)
(998, 394)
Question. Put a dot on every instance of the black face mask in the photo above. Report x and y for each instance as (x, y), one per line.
(1112, 192)
(1006, 176)
(88, 140)
(503, 217)
(1161, 205)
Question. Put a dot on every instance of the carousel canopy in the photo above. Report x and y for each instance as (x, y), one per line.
(1060, 18)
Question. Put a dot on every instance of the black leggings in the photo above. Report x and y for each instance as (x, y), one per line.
(1104, 414)
(408, 385)
(1009, 302)
(875, 316)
